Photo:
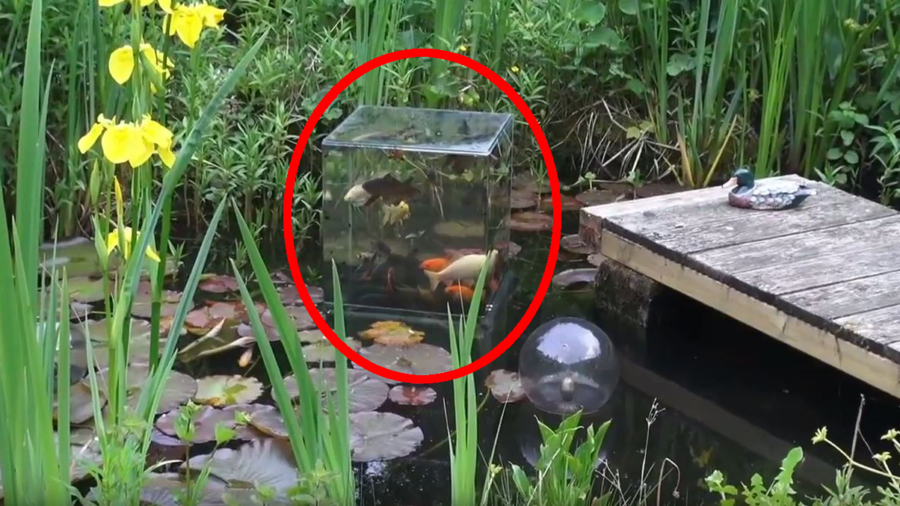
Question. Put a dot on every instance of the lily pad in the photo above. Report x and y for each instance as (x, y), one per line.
(412, 395)
(595, 259)
(290, 296)
(365, 393)
(597, 197)
(98, 330)
(166, 489)
(80, 404)
(530, 221)
(142, 305)
(266, 462)
(323, 351)
(505, 386)
(525, 182)
(519, 199)
(460, 229)
(566, 203)
(77, 255)
(218, 283)
(573, 277)
(206, 419)
(419, 359)
(85, 290)
(392, 333)
(204, 319)
(382, 436)
(268, 420)
(223, 390)
(574, 244)
(179, 387)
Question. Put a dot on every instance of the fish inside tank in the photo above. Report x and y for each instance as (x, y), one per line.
(416, 202)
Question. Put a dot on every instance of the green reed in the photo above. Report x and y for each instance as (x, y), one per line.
(323, 439)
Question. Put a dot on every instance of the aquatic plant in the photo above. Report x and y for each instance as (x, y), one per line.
(322, 441)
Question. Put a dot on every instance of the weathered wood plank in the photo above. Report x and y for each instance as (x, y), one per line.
(881, 326)
(857, 296)
(845, 355)
(826, 272)
(803, 246)
(716, 224)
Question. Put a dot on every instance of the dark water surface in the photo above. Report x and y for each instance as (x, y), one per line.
(728, 398)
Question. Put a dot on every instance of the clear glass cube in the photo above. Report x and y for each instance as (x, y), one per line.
(415, 201)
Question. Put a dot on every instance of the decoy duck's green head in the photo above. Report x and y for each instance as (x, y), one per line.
(742, 178)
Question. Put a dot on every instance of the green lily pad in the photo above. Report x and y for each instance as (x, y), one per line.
(365, 393)
(98, 330)
(223, 390)
(80, 404)
(85, 290)
(382, 436)
(290, 296)
(207, 418)
(179, 387)
(166, 490)
(323, 351)
(78, 256)
(419, 359)
(218, 283)
(267, 462)
(268, 420)
(505, 386)
(142, 304)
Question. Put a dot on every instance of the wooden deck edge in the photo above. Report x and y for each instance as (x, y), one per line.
(844, 355)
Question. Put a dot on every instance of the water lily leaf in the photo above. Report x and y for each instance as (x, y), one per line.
(223, 390)
(85, 290)
(566, 203)
(266, 462)
(206, 419)
(595, 259)
(268, 420)
(460, 229)
(505, 386)
(78, 256)
(629, 7)
(166, 490)
(574, 244)
(291, 297)
(412, 395)
(179, 387)
(382, 436)
(80, 404)
(311, 336)
(596, 197)
(365, 393)
(98, 330)
(218, 283)
(203, 319)
(323, 351)
(572, 277)
(142, 305)
(591, 12)
(417, 359)
(530, 221)
(392, 333)
(519, 199)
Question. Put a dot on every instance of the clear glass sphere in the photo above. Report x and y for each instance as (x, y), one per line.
(568, 364)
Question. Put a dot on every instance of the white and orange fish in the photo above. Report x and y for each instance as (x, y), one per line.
(464, 268)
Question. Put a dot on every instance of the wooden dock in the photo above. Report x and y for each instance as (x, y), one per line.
(823, 278)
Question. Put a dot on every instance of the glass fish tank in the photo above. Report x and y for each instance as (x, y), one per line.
(416, 203)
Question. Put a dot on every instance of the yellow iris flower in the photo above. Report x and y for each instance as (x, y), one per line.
(121, 62)
(166, 5)
(112, 239)
(129, 142)
(188, 21)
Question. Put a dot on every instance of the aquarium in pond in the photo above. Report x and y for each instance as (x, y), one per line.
(416, 203)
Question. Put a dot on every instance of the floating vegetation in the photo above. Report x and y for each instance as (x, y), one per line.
(143, 299)
(574, 277)
(419, 359)
(263, 463)
(80, 408)
(392, 333)
(597, 197)
(290, 296)
(167, 489)
(218, 283)
(505, 386)
(203, 319)
(224, 390)
(323, 351)
(530, 221)
(595, 259)
(412, 395)
(85, 290)
(567, 203)
(382, 436)
(519, 199)
(267, 419)
(364, 392)
(206, 419)
(179, 387)
(98, 330)
(460, 229)
(574, 244)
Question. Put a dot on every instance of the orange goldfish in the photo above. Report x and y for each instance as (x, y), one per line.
(456, 291)
(434, 264)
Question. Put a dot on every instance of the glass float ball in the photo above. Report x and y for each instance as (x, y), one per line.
(568, 364)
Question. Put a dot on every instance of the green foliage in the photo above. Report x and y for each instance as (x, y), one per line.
(564, 477)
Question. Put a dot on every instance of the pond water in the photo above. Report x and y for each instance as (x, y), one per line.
(697, 391)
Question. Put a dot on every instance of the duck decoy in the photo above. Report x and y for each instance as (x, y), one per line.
(769, 195)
